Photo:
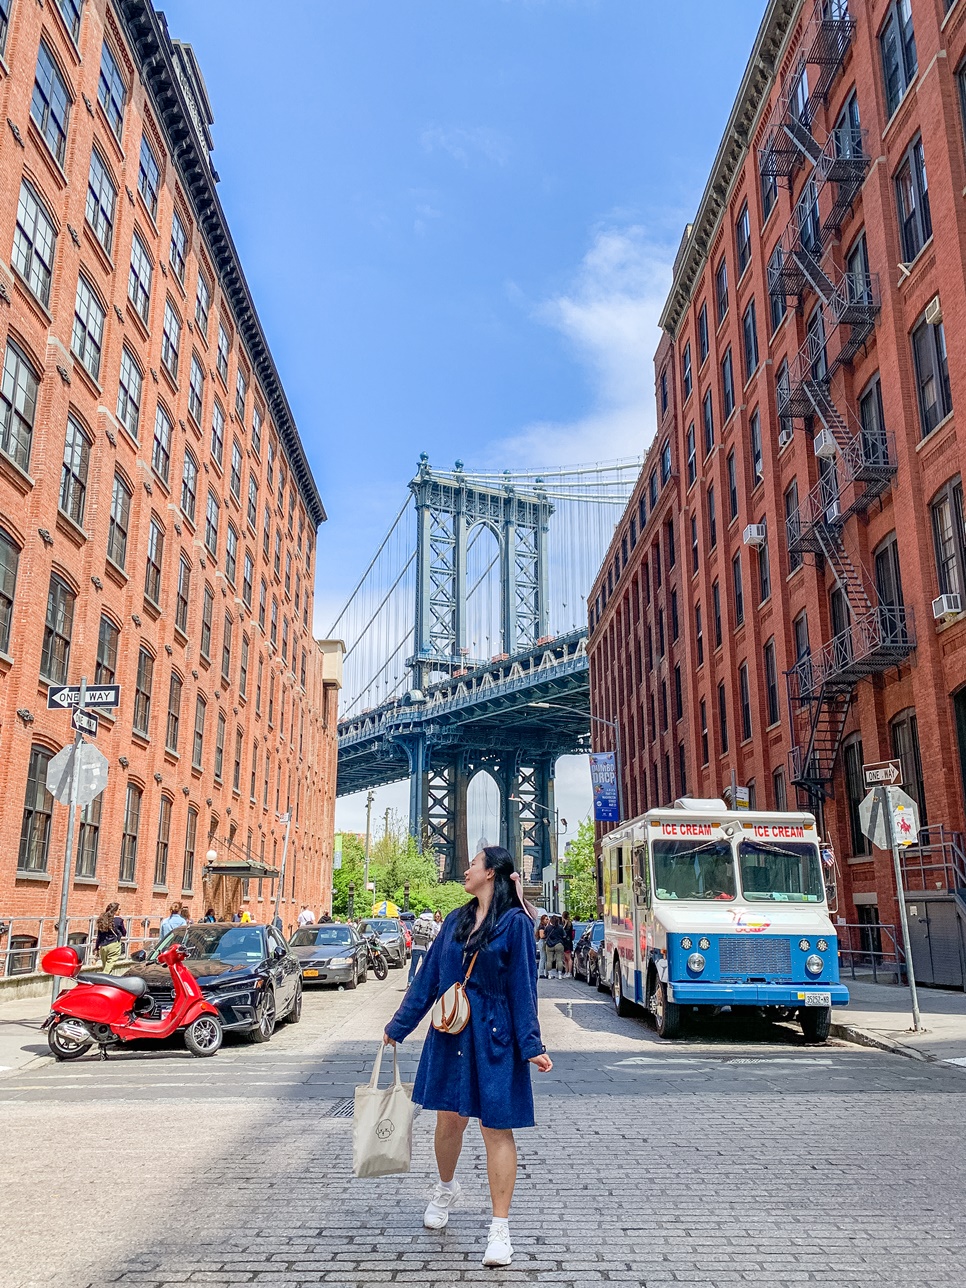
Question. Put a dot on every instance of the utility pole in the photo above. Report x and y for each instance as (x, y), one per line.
(285, 818)
(385, 834)
(370, 797)
(886, 804)
(62, 925)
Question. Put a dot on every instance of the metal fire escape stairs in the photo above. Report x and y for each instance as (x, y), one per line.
(856, 464)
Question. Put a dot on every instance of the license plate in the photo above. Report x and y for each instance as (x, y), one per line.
(818, 999)
(313, 973)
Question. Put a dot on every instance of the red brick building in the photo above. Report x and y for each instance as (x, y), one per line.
(157, 511)
(799, 519)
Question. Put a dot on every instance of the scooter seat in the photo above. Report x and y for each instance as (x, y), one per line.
(132, 984)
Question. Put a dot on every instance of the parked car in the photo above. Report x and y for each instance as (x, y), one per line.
(248, 972)
(587, 951)
(330, 954)
(392, 939)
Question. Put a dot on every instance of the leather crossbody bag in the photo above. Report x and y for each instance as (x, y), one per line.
(451, 1010)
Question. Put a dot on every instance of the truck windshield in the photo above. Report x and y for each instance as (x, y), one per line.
(685, 870)
(785, 873)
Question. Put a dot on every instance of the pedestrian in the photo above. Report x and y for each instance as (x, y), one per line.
(174, 920)
(438, 917)
(276, 922)
(245, 918)
(209, 915)
(541, 937)
(111, 933)
(555, 938)
(236, 917)
(306, 917)
(482, 1072)
(424, 930)
(568, 926)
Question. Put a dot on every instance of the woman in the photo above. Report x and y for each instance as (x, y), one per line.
(482, 1072)
(568, 926)
(541, 933)
(111, 933)
(438, 917)
(209, 915)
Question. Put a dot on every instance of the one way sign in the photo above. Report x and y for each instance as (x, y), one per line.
(885, 773)
(64, 696)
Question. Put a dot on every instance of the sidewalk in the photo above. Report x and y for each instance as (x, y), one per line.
(21, 1038)
(881, 1015)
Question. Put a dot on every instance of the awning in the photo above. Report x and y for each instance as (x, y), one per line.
(242, 869)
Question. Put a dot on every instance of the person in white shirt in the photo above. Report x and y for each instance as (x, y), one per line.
(306, 917)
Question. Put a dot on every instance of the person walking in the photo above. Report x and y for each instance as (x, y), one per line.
(555, 939)
(424, 929)
(306, 917)
(568, 926)
(482, 1072)
(209, 915)
(174, 920)
(438, 917)
(111, 933)
(541, 936)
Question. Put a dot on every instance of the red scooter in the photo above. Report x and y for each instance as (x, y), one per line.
(108, 1009)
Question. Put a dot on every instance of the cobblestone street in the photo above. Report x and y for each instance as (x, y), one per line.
(704, 1162)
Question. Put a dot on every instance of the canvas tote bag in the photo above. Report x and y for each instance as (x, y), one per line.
(382, 1124)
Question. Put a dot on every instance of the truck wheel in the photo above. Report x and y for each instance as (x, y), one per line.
(816, 1022)
(203, 1036)
(667, 1015)
(621, 1005)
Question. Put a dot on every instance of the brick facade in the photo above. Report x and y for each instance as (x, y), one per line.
(171, 533)
(874, 507)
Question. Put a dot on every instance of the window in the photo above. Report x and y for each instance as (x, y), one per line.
(198, 742)
(284, 641)
(932, 375)
(18, 406)
(273, 629)
(754, 440)
(723, 718)
(912, 201)
(9, 564)
(70, 11)
(888, 577)
(179, 246)
(149, 177)
(712, 519)
(764, 570)
(258, 687)
(267, 532)
(694, 543)
(241, 393)
(852, 757)
(196, 389)
(248, 578)
(732, 486)
(262, 603)
(665, 469)
(231, 554)
(771, 682)
(739, 593)
(949, 538)
(129, 385)
(37, 809)
(58, 626)
(727, 385)
(173, 724)
(183, 595)
(110, 90)
(743, 240)
(708, 416)
(161, 451)
(190, 843)
(88, 332)
(218, 433)
(211, 525)
(716, 612)
(189, 486)
(288, 571)
(692, 455)
(703, 710)
(792, 526)
(73, 477)
(243, 668)
(129, 838)
(749, 327)
(252, 501)
(226, 642)
(202, 304)
(703, 332)
(101, 202)
(778, 787)
(686, 379)
(277, 560)
(721, 290)
(220, 747)
(170, 339)
(89, 840)
(256, 431)
(670, 544)
(769, 190)
(161, 849)
(897, 45)
(224, 345)
(875, 443)
(155, 556)
(119, 522)
(34, 240)
(50, 104)
(139, 279)
(270, 466)
(904, 734)
(236, 767)
(105, 667)
(744, 693)
(651, 488)
(142, 692)
(207, 611)
(235, 476)
(4, 23)
(776, 291)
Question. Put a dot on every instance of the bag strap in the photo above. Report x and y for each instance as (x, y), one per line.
(469, 969)
(377, 1067)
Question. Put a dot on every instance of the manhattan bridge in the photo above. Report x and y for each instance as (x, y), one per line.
(466, 648)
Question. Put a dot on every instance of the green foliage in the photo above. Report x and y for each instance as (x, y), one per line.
(581, 866)
(394, 860)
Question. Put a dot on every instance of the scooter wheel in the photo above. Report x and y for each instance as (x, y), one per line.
(204, 1035)
(64, 1048)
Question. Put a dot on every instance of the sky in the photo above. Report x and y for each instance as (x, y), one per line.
(457, 219)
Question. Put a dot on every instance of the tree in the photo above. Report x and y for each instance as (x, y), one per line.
(580, 865)
(394, 861)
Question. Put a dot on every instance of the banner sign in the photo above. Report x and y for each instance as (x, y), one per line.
(603, 779)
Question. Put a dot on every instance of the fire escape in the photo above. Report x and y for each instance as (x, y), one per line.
(856, 462)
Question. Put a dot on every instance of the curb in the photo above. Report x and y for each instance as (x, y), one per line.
(862, 1037)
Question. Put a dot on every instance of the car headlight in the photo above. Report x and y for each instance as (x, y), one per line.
(686, 942)
(804, 945)
(696, 963)
(814, 964)
(339, 961)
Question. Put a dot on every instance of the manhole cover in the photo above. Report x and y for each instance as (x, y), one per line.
(343, 1109)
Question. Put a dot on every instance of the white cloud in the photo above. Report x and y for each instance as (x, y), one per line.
(609, 317)
(462, 144)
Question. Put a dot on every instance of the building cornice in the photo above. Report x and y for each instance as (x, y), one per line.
(147, 34)
(752, 95)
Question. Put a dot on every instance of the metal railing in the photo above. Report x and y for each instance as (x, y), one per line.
(937, 862)
(24, 940)
(873, 642)
(870, 948)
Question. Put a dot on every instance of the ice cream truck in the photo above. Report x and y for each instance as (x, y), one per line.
(706, 907)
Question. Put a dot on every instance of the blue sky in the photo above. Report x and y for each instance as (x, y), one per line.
(457, 218)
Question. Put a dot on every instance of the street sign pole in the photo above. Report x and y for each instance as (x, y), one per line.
(884, 795)
(281, 879)
(69, 849)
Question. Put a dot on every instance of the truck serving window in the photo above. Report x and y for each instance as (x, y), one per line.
(684, 870)
(786, 873)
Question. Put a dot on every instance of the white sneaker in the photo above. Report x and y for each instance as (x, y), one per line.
(499, 1251)
(444, 1197)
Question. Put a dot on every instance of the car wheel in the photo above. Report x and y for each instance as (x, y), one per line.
(601, 982)
(295, 1011)
(353, 981)
(365, 973)
(204, 1035)
(593, 976)
(265, 1018)
(64, 1047)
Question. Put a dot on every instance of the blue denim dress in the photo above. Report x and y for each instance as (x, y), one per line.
(483, 1071)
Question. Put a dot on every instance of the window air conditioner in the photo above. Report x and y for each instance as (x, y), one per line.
(755, 534)
(825, 445)
(946, 606)
(784, 437)
(934, 311)
(833, 512)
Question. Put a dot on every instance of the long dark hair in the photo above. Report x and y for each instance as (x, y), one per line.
(500, 863)
(105, 921)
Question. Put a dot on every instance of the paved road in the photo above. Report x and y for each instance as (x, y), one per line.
(737, 1156)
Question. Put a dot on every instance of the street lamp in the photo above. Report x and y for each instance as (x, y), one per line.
(557, 706)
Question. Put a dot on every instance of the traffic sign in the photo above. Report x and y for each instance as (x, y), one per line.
(63, 696)
(884, 773)
(59, 773)
(91, 774)
(905, 817)
(84, 721)
(875, 821)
